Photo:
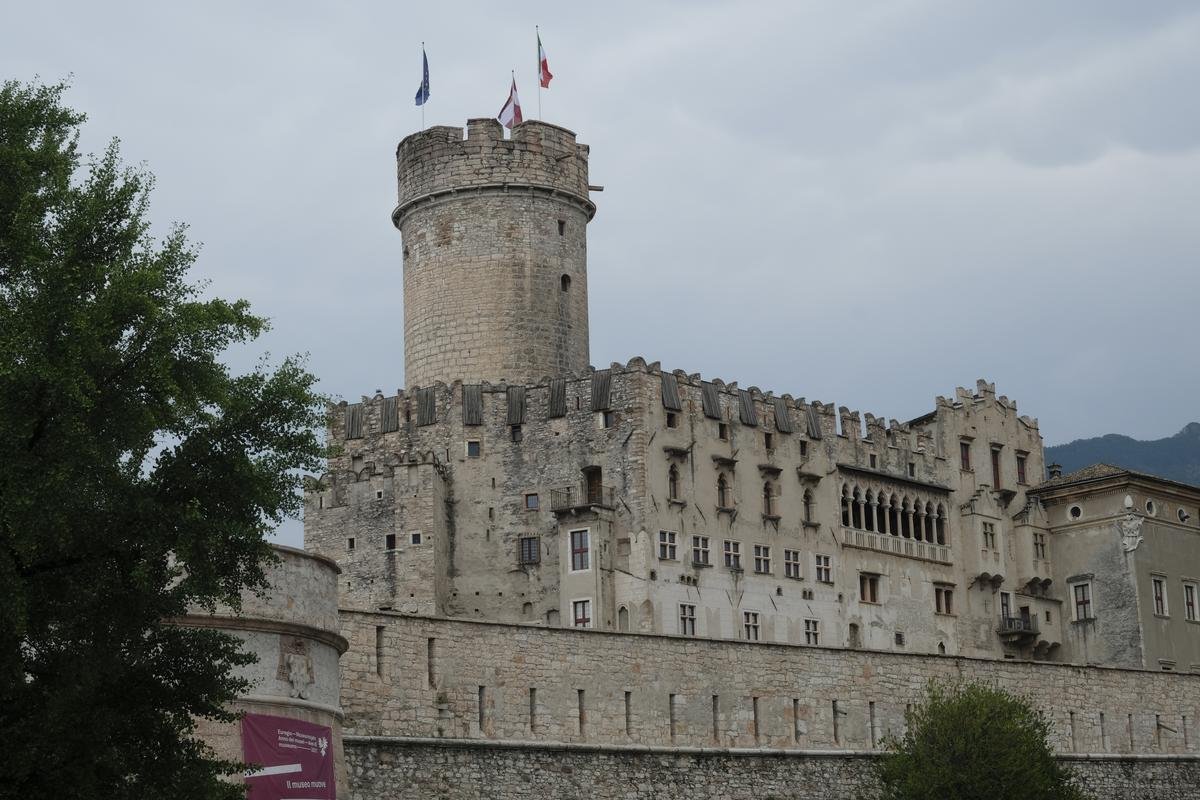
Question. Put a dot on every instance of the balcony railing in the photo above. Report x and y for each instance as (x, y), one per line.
(1018, 626)
(885, 543)
(571, 499)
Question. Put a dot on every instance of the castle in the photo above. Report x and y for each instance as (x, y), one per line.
(558, 580)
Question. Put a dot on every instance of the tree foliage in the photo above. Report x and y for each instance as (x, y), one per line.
(138, 476)
(971, 740)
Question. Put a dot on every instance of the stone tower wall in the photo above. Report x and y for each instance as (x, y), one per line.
(495, 253)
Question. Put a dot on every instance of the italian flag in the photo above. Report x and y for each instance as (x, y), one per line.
(544, 74)
(510, 114)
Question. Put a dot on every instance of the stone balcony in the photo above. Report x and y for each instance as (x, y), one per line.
(897, 546)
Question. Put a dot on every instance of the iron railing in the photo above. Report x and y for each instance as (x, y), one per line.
(569, 498)
(1018, 625)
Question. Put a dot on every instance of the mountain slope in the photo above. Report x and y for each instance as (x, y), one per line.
(1176, 457)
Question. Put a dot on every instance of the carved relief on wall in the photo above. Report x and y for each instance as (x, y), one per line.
(1130, 528)
(295, 666)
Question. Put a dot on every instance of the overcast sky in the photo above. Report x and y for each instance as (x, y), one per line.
(860, 203)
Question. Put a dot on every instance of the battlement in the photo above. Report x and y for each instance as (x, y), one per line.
(538, 156)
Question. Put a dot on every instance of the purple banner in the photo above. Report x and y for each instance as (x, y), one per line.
(292, 759)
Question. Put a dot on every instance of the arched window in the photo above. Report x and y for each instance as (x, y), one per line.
(768, 499)
(869, 511)
(673, 482)
(857, 509)
(941, 524)
(723, 492)
(905, 519)
(622, 618)
(929, 522)
(918, 523)
(808, 506)
(845, 506)
(565, 282)
(894, 517)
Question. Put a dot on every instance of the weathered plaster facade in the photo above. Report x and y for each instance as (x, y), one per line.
(1130, 547)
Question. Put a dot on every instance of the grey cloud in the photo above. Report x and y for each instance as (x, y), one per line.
(864, 203)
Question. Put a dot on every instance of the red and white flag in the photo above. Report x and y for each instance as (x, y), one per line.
(511, 113)
(544, 73)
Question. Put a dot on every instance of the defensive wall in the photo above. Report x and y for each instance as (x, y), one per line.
(292, 628)
(440, 707)
(495, 251)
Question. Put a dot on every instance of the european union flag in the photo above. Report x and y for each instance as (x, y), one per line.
(423, 91)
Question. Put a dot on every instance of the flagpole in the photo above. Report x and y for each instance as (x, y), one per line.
(538, 34)
(422, 80)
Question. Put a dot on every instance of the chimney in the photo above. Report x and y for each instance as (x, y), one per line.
(1055, 470)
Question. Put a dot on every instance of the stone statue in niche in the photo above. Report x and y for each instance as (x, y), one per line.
(1130, 529)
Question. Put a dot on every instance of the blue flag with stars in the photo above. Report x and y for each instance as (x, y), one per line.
(423, 91)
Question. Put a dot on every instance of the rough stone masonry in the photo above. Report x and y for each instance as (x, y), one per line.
(559, 580)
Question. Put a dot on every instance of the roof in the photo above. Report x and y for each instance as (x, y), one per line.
(1099, 472)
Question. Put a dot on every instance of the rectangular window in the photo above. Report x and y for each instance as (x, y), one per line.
(868, 587)
(389, 541)
(803, 448)
(531, 549)
(582, 612)
(1159, 587)
(769, 440)
(1039, 546)
(824, 566)
(912, 469)
(762, 558)
(666, 545)
(722, 431)
(964, 456)
(874, 461)
(989, 535)
(791, 564)
(1083, 600)
(1189, 601)
(473, 448)
(414, 537)
(687, 619)
(1005, 605)
(995, 467)
(700, 550)
(672, 419)
(350, 543)
(515, 433)
(812, 631)
(1021, 469)
(750, 625)
(580, 552)
(532, 503)
(733, 554)
(943, 599)
(607, 419)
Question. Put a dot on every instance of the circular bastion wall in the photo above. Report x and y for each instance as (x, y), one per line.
(293, 630)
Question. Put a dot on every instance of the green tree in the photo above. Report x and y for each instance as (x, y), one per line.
(138, 476)
(971, 740)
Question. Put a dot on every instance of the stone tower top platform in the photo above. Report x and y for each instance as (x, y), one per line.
(441, 160)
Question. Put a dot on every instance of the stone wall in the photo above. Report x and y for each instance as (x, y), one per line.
(292, 629)
(400, 769)
(489, 681)
(495, 252)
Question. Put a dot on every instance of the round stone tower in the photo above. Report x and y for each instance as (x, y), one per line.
(495, 252)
